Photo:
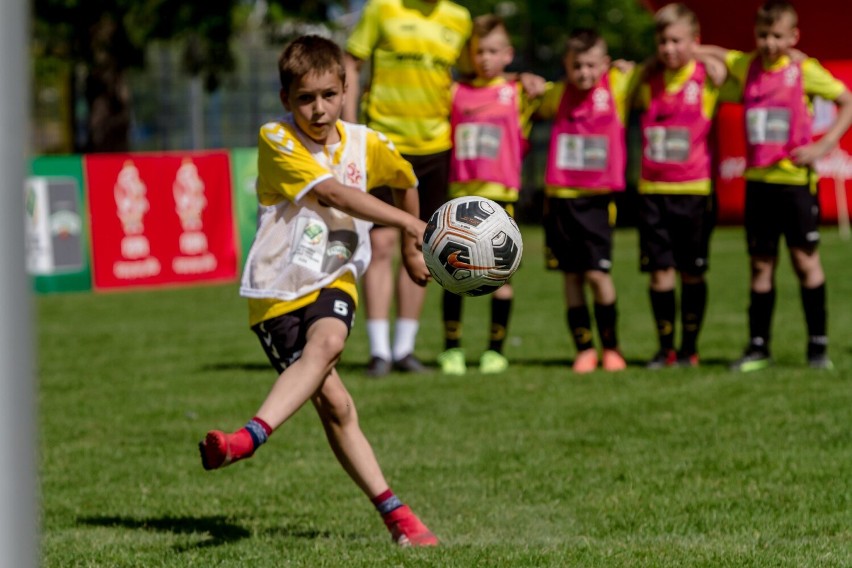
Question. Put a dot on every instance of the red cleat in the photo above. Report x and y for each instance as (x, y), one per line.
(407, 530)
(662, 359)
(217, 450)
(688, 361)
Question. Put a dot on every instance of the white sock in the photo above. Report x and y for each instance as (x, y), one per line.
(404, 337)
(378, 331)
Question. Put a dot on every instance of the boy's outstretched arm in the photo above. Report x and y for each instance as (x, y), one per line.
(362, 205)
(709, 50)
(715, 61)
(810, 153)
(411, 245)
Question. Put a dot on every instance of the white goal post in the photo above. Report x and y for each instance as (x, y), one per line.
(18, 477)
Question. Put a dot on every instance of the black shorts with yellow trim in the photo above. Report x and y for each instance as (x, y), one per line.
(674, 231)
(772, 210)
(578, 233)
(284, 337)
(433, 177)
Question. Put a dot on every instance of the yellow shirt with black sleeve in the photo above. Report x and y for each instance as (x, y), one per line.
(621, 84)
(488, 189)
(412, 46)
(674, 82)
(286, 170)
(816, 80)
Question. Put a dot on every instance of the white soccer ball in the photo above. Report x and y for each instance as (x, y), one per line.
(472, 246)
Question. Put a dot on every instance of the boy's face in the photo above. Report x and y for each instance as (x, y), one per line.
(676, 45)
(584, 70)
(316, 101)
(491, 54)
(777, 39)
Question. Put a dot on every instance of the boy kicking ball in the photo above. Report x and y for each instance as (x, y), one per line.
(312, 244)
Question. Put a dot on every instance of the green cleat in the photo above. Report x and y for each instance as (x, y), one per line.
(752, 360)
(492, 362)
(452, 362)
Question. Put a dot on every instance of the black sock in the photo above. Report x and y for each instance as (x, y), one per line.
(663, 306)
(605, 318)
(693, 301)
(760, 318)
(580, 324)
(452, 320)
(500, 311)
(813, 302)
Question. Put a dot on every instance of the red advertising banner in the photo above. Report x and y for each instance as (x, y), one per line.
(160, 218)
(835, 169)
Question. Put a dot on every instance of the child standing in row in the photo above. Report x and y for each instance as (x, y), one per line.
(312, 243)
(490, 120)
(585, 166)
(780, 181)
(676, 213)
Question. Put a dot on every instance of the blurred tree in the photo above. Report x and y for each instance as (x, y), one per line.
(539, 29)
(102, 39)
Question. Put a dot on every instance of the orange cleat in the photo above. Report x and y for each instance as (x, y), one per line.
(586, 361)
(612, 361)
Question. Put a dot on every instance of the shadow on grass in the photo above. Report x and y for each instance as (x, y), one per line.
(235, 366)
(263, 366)
(298, 532)
(220, 530)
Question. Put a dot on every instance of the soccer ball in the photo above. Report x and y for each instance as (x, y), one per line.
(472, 246)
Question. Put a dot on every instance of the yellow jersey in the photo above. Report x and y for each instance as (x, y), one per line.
(411, 46)
(287, 171)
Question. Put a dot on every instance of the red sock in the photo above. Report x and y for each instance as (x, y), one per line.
(266, 427)
(386, 501)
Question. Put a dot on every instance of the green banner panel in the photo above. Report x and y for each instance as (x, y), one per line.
(58, 249)
(244, 172)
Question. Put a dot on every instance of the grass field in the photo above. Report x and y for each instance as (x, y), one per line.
(536, 467)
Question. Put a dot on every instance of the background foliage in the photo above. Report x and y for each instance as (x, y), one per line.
(86, 47)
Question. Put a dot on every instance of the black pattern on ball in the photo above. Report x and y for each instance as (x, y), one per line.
(473, 213)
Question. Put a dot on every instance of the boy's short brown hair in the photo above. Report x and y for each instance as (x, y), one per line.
(773, 10)
(582, 40)
(487, 23)
(673, 13)
(310, 54)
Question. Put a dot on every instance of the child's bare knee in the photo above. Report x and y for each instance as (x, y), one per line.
(332, 345)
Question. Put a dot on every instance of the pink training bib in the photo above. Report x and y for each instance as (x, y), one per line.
(776, 116)
(675, 130)
(587, 147)
(486, 134)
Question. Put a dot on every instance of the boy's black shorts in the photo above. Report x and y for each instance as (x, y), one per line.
(772, 210)
(674, 232)
(578, 233)
(433, 176)
(283, 337)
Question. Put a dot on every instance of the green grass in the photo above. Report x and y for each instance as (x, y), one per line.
(537, 467)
